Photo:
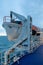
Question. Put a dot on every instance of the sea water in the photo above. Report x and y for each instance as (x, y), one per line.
(5, 43)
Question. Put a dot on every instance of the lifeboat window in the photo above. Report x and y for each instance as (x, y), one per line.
(18, 22)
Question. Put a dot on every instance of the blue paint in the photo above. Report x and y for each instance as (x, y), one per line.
(35, 58)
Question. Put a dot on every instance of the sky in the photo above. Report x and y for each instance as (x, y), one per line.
(34, 8)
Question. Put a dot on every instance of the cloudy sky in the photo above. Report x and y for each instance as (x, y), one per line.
(34, 8)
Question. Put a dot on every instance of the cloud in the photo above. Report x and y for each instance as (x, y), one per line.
(2, 31)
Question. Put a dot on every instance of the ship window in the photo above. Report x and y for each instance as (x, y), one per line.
(33, 32)
(38, 34)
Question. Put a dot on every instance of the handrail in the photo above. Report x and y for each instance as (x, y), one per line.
(5, 18)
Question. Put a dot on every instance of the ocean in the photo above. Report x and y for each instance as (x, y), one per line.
(5, 43)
